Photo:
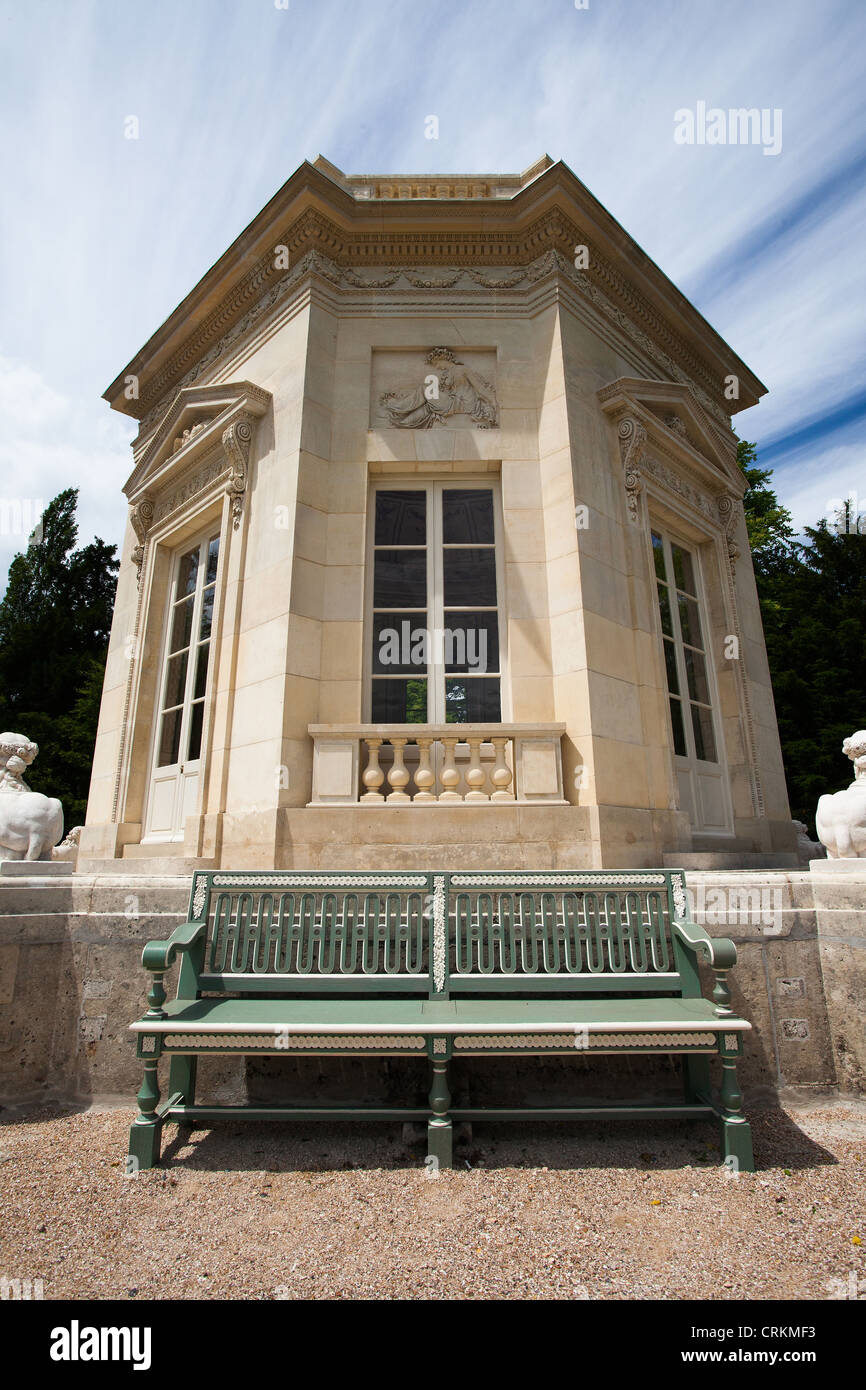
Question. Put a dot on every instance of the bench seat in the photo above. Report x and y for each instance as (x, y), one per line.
(442, 967)
(693, 1021)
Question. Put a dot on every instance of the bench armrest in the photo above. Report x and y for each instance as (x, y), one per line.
(159, 956)
(719, 952)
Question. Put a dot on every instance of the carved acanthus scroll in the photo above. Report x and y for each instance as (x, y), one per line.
(140, 516)
(237, 439)
(728, 507)
(632, 442)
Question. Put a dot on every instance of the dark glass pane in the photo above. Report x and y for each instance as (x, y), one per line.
(690, 621)
(213, 551)
(472, 701)
(169, 738)
(400, 579)
(181, 625)
(665, 611)
(683, 571)
(187, 572)
(659, 556)
(201, 671)
(671, 668)
(470, 577)
(696, 671)
(677, 724)
(401, 643)
(206, 613)
(175, 680)
(467, 516)
(399, 702)
(705, 743)
(470, 642)
(401, 518)
(195, 723)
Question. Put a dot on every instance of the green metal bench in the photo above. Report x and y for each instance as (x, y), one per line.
(439, 965)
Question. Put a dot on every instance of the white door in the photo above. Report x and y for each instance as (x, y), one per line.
(183, 688)
(700, 769)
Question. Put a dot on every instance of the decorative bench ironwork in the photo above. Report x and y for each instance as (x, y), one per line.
(439, 965)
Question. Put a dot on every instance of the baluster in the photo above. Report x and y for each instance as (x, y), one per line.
(424, 776)
(373, 776)
(398, 773)
(449, 777)
(502, 775)
(476, 776)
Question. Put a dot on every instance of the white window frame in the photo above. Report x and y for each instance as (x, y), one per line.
(436, 676)
(689, 764)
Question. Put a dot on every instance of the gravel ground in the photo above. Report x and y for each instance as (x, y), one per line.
(266, 1211)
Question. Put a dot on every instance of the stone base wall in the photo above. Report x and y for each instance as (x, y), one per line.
(71, 982)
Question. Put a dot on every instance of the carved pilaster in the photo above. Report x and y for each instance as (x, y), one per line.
(141, 516)
(237, 439)
(632, 442)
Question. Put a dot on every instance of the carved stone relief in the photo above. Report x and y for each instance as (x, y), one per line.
(438, 390)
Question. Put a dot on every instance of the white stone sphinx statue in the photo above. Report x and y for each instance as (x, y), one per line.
(841, 816)
(30, 824)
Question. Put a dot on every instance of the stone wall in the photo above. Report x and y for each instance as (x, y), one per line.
(71, 982)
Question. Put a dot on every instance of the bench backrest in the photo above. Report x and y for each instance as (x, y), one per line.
(438, 934)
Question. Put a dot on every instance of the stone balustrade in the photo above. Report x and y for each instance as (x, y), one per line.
(436, 764)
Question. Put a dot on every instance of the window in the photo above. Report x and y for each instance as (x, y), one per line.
(187, 655)
(684, 645)
(434, 643)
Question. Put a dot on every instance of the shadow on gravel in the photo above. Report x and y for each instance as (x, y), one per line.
(640, 1145)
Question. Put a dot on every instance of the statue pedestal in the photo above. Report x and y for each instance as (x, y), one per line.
(834, 867)
(36, 868)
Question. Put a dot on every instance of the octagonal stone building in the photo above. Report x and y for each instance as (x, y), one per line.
(436, 553)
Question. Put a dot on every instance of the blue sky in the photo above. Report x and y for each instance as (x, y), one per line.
(101, 236)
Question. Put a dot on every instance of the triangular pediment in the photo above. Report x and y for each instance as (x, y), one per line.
(193, 424)
(677, 424)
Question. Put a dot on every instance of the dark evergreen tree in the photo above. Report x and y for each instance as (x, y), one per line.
(55, 618)
(813, 605)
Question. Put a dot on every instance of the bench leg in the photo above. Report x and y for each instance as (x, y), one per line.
(736, 1130)
(146, 1128)
(181, 1078)
(439, 1137)
(696, 1078)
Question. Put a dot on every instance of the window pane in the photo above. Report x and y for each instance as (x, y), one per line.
(201, 671)
(665, 611)
(187, 572)
(705, 743)
(401, 518)
(659, 556)
(696, 671)
(690, 621)
(399, 702)
(470, 578)
(679, 731)
(472, 701)
(181, 625)
(169, 738)
(195, 723)
(671, 668)
(683, 571)
(213, 551)
(467, 516)
(470, 642)
(400, 579)
(175, 680)
(206, 613)
(401, 643)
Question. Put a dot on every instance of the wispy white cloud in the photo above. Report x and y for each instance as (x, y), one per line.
(102, 236)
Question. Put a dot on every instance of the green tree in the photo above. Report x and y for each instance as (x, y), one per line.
(813, 604)
(55, 618)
